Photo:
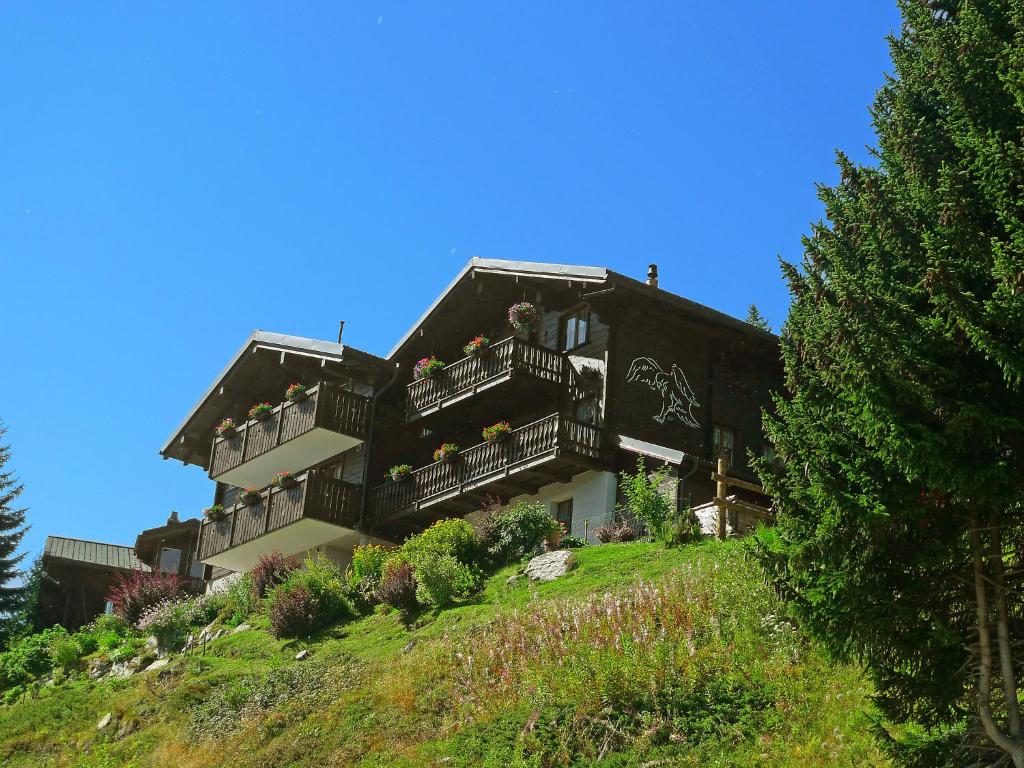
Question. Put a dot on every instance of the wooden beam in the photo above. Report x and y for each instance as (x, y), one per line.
(732, 481)
(721, 491)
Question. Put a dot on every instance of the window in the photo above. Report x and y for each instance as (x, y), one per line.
(198, 569)
(724, 439)
(575, 329)
(563, 514)
(170, 559)
(109, 607)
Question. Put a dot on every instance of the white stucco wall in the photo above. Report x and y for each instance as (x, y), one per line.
(593, 501)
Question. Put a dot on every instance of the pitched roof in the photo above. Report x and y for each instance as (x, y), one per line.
(592, 275)
(93, 553)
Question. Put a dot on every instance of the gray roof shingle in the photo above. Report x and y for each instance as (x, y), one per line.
(94, 553)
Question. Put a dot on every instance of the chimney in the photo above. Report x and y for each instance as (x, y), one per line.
(341, 329)
(652, 275)
(173, 519)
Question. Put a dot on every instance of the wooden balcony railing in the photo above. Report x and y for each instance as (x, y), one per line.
(503, 360)
(487, 462)
(314, 496)
(325, 406)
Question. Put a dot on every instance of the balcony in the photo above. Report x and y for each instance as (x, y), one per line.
(318, 509)
(548, 450)
(295, 436)
(511, 359)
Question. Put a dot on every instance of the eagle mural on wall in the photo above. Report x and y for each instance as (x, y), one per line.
(677, 397)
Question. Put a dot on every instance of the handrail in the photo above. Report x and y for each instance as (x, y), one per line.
(324, 406)
(501, 359)
(484, 460)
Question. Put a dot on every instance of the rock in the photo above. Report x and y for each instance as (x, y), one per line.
(303, 654)
(551, 565)
(127, 728)
(409, 646)
(123, 670)
(152, 642)
(98, 669)
(513, 578)
(158, 664)
(105, 721)
(240, 628)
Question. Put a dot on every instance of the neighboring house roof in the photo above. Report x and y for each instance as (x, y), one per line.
(298, 345)
(93, 553)
(581, 274)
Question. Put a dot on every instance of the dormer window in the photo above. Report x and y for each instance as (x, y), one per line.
(575, 329)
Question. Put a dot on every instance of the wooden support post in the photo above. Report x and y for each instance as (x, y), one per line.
(721, 491)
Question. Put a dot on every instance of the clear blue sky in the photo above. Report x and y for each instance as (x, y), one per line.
(174, 176)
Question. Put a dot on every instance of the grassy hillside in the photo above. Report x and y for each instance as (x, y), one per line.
(643, 656)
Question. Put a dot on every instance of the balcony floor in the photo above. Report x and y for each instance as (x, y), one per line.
(292, 539)
(294, 455)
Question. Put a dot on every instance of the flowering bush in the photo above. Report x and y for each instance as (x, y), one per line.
(260, 411)
(214, 513)
(496, 432)
(309, 598)
(616, 533)
(133, 593)
(168, 621)
(509, 534)
(398, 584)
(250, 496)
(295, 392)
(523, 316)
(399, 472)
(284, 480)
(446, 452)
(477, 346)
(227, 429)
(270, 571)
(427, 367)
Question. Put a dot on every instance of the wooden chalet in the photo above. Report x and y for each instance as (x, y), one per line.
(613, 368)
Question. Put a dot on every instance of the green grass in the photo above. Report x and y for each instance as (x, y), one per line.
(749, 692)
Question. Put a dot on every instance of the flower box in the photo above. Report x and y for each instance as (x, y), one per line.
(497, 432)
(261, 411)
(446, 452)
(285, 480)
(227, 429)
(296, 393)
(477, 347)
(523, 316)
(250, 497)
(427, 367)
(215, 513)
(400, 472)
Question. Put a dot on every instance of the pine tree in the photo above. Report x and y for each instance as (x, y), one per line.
(12, 530)
(900, 490)
(756, 319)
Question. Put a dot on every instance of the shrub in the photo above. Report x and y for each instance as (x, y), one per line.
(110, 630)
(445, 537)
(511, 533)
(30, 657)
(443, 579)
(644, 498)
(168, 622)
(240, 600)
(368, 565)
(427, 367)
(571, 542)
(616, 533)
(64, 654)
(134, 593)
(398, 584)
(86, 642)
(271, 570)
(127, 650)
(681, 526)
(309, 598)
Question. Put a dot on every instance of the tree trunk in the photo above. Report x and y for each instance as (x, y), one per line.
(1014, 747)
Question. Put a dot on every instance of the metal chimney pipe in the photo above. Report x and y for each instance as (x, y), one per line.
(341, 329)
(652, 275)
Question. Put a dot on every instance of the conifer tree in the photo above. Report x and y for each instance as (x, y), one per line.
(900, 489)
(12, 530)
(756, 319)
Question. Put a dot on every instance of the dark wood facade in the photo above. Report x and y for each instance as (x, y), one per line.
(614, 368)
